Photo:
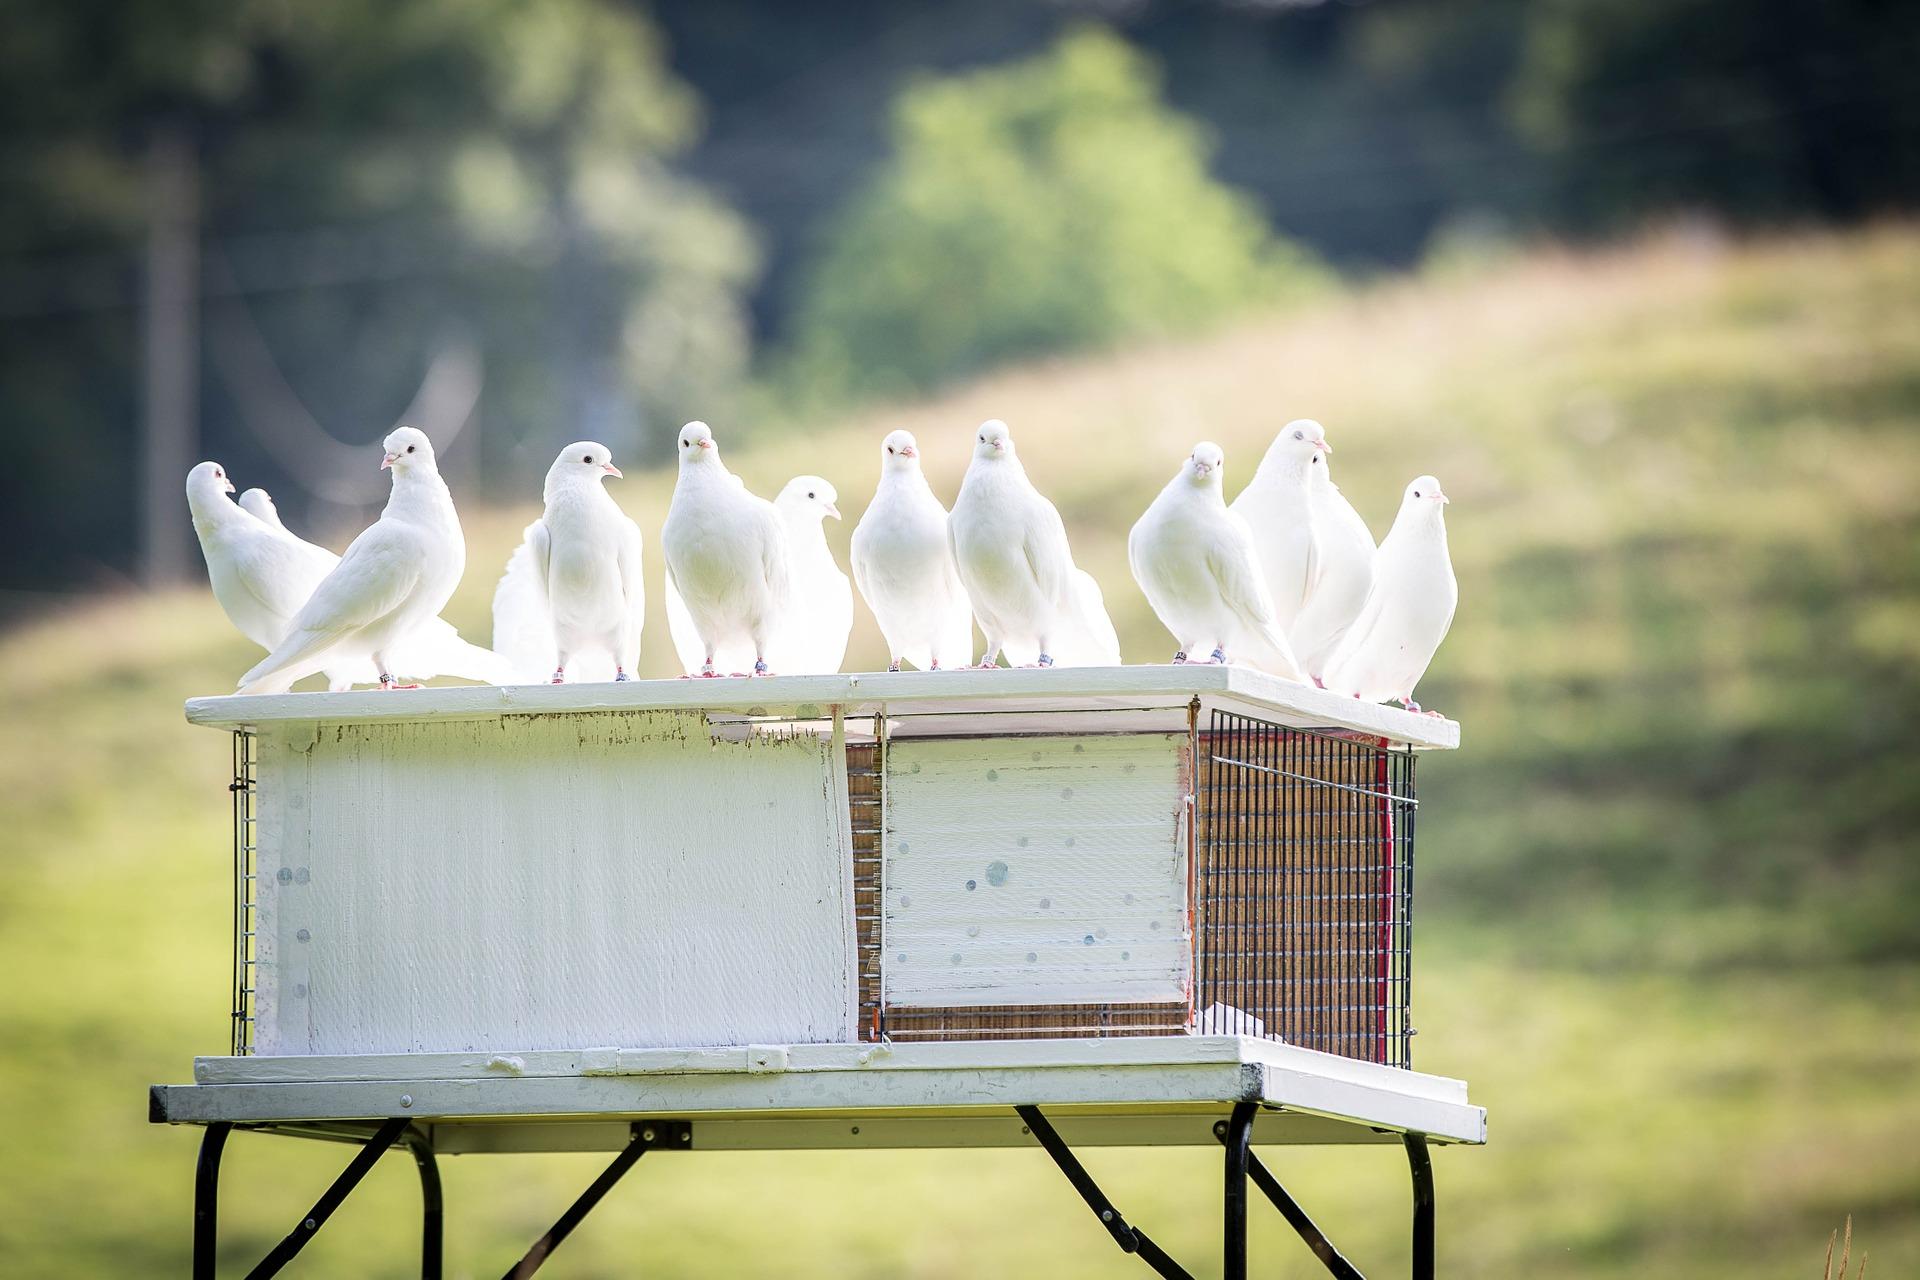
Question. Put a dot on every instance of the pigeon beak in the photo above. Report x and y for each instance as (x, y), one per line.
(833, 511)
(706, 444)
(1323, 446)
(612, 470)
(909, 452)
(226, 486)
(389, 460)
(1443, 499)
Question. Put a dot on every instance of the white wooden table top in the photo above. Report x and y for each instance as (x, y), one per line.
(1148, 1090)
(1159, 693)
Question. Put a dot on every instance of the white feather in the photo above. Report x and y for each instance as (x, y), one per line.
(1011, 550)
(726, 553)
(1196, 564)
(398, 574)
(903, 563)
(1408, 609)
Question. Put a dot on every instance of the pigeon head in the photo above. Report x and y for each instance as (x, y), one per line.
(993, 441)
(696, 444)
(810, 494)
(408, 449)
(1300, 447)
(207, 479)
(584, 460)
(1206, 465)
(899, 452)
(258, 502)
(1424, 491)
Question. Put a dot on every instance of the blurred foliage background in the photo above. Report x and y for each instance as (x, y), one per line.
(1640, 281)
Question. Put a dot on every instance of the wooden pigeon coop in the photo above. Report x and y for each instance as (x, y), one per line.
(1135, 906)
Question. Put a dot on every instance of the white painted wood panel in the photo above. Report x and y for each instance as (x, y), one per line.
(1035, 871)
(550, 882)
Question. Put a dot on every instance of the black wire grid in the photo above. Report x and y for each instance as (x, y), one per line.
(1303, 890)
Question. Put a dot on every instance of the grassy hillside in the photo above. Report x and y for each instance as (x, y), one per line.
(1666, 889)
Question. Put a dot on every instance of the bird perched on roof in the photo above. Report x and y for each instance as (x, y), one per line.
(1408, 608)
(262, 573)
(903, 563)
(573, 595)
(819, 617)
(1011, 549)
(726, 554)
(258, 503)
(1195, 561)
(396, 575)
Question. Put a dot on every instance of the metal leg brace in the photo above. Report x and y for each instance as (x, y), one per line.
(1130, 1238)
(330, 1199)
(644, 1134)
(1422, 1166)
(206, 1201)
(1290, 1209)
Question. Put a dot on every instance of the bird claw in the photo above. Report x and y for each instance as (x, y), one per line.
(760, 668)
(1180, 658)
(895, 665)
(1046, 660)
(1318, 683)
(1218, 657)
(620, 676)
(559, 676)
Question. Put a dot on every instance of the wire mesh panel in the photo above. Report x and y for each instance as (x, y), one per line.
(1304, 888)
(245, 846)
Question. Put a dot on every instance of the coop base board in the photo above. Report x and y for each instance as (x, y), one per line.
(1149, 1091)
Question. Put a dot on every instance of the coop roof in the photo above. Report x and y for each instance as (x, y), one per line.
(1133, 698)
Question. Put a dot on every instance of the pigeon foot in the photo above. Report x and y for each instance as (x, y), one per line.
(1046, 660)
(1180, 658)
(1219, 656)
(620, 675)
(895, 665)
(559, 676)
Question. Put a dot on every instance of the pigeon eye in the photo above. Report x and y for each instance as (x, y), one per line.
(409, 448)
(1418, 494)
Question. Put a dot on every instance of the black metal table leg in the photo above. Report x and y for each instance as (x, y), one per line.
(330, 1199)
(1422, 1166)
(206, 1198)
(1239, 1144)
(1130, 1238)
(432, 1233)
(580, 1208)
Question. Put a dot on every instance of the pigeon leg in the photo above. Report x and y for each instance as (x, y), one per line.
(1406, 700)
(1179, 657)
(1318, 683)
(620, 675)
(1219, 655)
(559, 675)
(760, 667)
(991, 658)
(896, 665)
(1046, 659)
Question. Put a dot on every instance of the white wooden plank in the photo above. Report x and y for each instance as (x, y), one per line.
(565, 882)
(957, 1055)
(1039, 871)
(861, 694)
(1146, 1089)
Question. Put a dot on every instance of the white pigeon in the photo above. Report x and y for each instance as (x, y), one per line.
(1195, 561)
(396, 575)
(573, 597)
(258, 503)
(262, 573)
(1408, 609)
(726, 554)
(903, 563)
(819, 618)
(1343, 552)
(1277, 505)
(1011, 550)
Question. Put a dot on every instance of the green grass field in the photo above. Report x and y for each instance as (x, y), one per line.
(1668, 887)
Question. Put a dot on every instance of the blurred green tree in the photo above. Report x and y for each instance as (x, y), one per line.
(371, 178)
(1047, 205)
